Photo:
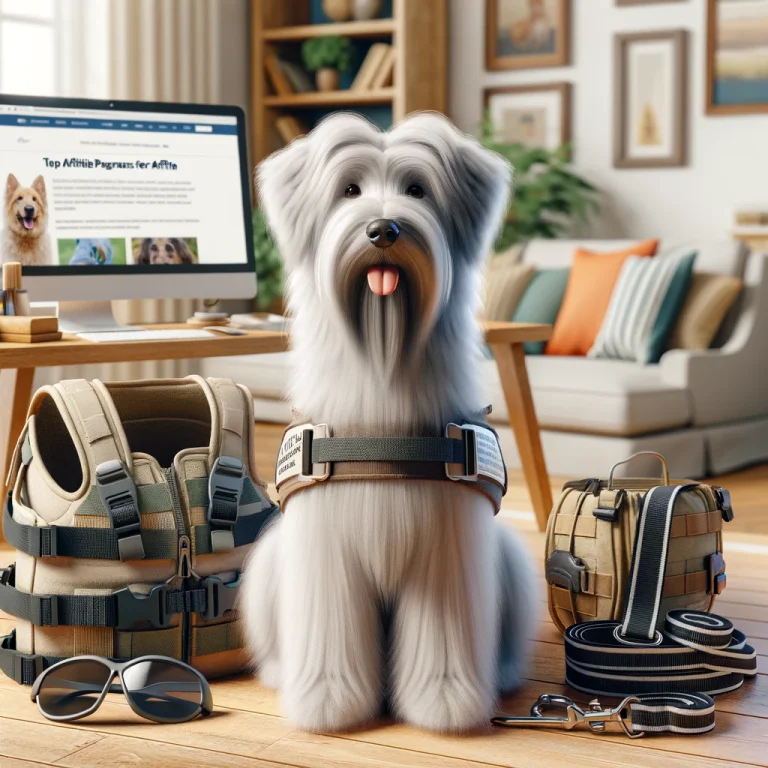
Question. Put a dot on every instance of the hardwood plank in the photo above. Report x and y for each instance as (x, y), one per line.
(12, 762)
(310, 750)
(44, 743)
(113, 751)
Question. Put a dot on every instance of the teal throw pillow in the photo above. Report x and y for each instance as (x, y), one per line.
(671, 305)
(541, 303)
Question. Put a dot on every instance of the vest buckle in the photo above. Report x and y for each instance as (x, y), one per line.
(219, 597)
(225, 487)
(117, 491)
(133, 608)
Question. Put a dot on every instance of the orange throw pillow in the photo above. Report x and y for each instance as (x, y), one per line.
(587, 296)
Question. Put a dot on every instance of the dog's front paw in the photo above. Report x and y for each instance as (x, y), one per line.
(446, 703)
(329, 704)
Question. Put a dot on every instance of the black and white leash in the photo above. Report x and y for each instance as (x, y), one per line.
(665, 678)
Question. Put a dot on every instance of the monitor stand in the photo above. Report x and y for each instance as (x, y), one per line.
(88, 317)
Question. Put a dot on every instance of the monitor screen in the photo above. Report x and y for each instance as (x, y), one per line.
(116, 187)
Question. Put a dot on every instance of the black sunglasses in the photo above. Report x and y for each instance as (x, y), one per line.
(158, 688)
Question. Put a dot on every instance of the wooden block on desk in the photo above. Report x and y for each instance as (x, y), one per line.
(29, 338)
(28, 324)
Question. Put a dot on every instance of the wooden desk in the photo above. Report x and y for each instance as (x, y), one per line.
(506, 340)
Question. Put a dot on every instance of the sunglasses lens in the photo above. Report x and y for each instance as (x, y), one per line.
(72, 688)
(163, 690)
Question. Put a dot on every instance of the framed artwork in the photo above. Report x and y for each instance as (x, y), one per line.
(526, 34)
(737, 57)
(644, 2)
(531, 115)
(651, 99)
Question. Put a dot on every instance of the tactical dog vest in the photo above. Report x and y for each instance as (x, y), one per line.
(467, 453)
(133, 506)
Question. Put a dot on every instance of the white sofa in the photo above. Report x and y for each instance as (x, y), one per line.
(706, 411)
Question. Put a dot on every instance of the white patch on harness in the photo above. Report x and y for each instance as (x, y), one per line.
(490, 463)
(289, 458)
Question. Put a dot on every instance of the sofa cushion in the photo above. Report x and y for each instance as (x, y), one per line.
(587, 296)
(612, 397)
(541, 303)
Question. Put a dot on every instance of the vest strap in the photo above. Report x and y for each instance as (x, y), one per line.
(22, 668)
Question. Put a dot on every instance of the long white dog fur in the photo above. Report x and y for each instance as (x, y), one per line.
(364, 593)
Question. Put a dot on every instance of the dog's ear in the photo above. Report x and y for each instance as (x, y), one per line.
(144, 252)
(39, 186)
(11, 185)
(474, 182)
(281, 181)
(183, 250)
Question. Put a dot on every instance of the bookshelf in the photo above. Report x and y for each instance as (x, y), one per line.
(416, 30)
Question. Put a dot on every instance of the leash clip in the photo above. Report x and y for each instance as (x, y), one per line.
(595, 717)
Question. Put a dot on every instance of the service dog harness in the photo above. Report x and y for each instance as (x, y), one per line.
(468, 453)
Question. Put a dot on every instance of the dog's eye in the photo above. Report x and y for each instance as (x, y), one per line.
(415, 190)
(352, 191)
(19, 199)
(34, 199)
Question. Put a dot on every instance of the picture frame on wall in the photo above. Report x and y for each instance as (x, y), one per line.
(644, 2)
(527, 34)
(651, 99)
(536, 116)
(737, 57)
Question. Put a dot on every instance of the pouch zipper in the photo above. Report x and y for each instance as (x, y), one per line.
(184, 563)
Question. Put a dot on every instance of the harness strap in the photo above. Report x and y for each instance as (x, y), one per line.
(121, 610)
(446, 450)
(22, 668)
(697, 652)
(102, 543)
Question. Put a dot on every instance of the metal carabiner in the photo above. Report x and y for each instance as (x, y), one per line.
(595, 717)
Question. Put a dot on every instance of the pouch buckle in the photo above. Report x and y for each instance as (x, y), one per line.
(609, 514)
(564, 570)
(467, 471)
(117, 491)
(219, 597)
(723, 497)
(225, 487)
(134, 608)
(716, 572)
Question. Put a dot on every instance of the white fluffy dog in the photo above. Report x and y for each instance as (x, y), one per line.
(372, 592)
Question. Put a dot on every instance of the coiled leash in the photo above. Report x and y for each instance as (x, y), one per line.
(666, 678)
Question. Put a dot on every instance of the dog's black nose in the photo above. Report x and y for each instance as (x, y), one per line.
(29, 210)
(382, 232)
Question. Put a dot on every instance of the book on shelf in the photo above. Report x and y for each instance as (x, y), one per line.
(386, 71)
(289, 128)
(369, 68)
(280, 82)
(298, 77)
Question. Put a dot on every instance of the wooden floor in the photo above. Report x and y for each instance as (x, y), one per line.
(248, 730)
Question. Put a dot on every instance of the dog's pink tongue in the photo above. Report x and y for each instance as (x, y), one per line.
(383, 280)
(28, 223)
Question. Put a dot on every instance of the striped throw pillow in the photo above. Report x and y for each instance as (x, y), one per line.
(627, 330)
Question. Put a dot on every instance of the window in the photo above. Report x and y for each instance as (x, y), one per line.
(54, 47)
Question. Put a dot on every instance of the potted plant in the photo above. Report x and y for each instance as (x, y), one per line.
(269, 266)
(327, 56)
(548, 194)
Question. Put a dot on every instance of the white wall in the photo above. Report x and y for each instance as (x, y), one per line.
(728, 156)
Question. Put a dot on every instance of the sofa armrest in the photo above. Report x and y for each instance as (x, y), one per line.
(729, 384)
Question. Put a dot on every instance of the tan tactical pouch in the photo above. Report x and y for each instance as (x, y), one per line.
(589, 543)
(133, 506)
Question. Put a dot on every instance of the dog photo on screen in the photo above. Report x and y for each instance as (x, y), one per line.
(165, 250)
(25, 236)
(399, 593)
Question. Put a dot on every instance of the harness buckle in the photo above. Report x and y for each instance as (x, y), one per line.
(225, 487)
(133, 608)
(467, 470)
(310, 470)
(219, 597)
(117, 491)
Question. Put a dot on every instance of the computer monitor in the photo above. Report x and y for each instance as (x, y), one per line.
(124, 200)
